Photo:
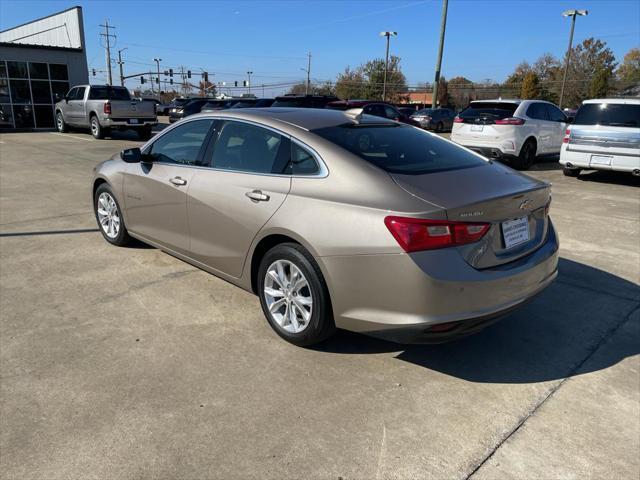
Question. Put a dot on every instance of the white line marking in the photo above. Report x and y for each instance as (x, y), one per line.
(64, 135)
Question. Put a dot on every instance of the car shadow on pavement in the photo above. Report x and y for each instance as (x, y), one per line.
(603, 176)
(548, 339)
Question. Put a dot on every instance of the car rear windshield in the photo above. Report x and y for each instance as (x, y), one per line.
(289, 102)
(244, 104)
(611, 114)
(400, 148)
(488, 111)
(109, 93)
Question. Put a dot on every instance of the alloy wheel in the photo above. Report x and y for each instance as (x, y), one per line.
(108, 215)
(288, 296)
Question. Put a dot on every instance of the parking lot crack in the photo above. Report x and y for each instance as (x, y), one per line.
(576, 368)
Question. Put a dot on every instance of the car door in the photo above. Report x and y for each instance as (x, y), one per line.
(542, 127)
(68, 106)
(76, 106)
(559, 125)
(230, 201)
(155, 190)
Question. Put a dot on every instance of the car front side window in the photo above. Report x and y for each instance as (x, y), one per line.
(249, 148)
(182, 145)
(555, 114)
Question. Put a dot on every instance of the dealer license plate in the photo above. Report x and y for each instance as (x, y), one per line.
(133, 120)
(477, 128)
(515, 231)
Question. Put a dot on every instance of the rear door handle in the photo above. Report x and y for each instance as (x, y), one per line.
(258, 196)
(178, 181)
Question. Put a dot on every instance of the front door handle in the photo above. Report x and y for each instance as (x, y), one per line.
(258, 196)
(178, 181)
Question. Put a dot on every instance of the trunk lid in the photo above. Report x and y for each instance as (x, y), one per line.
(132, 109)
(491, 193)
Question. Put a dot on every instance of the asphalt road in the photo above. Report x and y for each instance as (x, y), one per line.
(128, 363)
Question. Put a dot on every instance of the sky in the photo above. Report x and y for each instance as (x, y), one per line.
(484, 39)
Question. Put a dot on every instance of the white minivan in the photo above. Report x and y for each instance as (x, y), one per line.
(605, 135)
(516, 131)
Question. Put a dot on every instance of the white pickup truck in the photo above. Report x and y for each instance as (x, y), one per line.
(103, 108)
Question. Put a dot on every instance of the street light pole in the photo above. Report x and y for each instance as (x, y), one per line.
(158, 60)
(386, 62)
(443, 27)
(572, 14)
(249, 81)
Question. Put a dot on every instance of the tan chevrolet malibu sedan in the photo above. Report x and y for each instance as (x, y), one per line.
(337, 220)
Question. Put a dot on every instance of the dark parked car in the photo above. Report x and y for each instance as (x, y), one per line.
(253, 103)
(408, 111)
(378, 109)
(438, 119)
(218, 104)
(303, 101)
(192, 107)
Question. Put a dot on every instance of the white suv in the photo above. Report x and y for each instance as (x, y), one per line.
(512, 130)
(604, 136)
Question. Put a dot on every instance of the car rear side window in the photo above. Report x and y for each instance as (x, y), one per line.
(248, 148)
(611, 114)
(302, 161)
(537, 111)
(488, 112)
(182, 144)
(109, 93)
(400, 149)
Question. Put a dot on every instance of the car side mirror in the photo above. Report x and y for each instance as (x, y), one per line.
(131, 155)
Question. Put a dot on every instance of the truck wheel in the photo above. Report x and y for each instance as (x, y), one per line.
(144, 133)
(570, 172)
(96, 129)
(60, 123)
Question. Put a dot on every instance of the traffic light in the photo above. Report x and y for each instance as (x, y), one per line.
(188, 73)
(171, 81)
(94, 72)
(142, 80)
(165, 73)
(171, 72)
(236, 83)
(244, 83)
(158, 80)
(205, 76)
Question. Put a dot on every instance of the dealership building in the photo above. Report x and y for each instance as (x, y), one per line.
(38, 60)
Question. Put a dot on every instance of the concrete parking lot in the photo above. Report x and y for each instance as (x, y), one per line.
(128, 363)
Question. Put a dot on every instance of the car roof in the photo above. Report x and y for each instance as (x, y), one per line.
(304, 118)
(498, 100)
(629, 101)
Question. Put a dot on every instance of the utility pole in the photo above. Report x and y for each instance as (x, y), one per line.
(108, 37)
(443, 27)
(120, 63)
(151, 82)
(249, 82)
(386, 62)
(158, 60)
(308, 74)
(572, 14)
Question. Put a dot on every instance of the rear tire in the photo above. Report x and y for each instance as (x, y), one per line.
(439, 127)
(96, 129)
(570, 172)
(527, 155)
(310, 305)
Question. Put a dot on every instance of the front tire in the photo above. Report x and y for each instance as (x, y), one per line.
(109, 217)
(96, 129)
(294, 296)
(527, 156)
(61, 125)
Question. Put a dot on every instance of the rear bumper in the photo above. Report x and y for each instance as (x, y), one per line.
(114, 122)
(492, 152)
(573, 157)
(402, 297)
(507, 146)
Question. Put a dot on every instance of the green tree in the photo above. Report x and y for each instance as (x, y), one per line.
(373, 72)
(629, 71)
(461, 91)
(350, 84)
(599, 86)
(587, 59)
(530, 86)
(443, 92)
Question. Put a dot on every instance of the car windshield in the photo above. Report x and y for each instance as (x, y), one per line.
(401, 149)
(489, 110)
(244, 104)
(109, 93)
(611, 114)
(424, 111)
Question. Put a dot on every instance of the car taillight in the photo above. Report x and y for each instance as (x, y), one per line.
(416, 234)
(567, 136)
(107, 108)
(510, 121)
(458, 120)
